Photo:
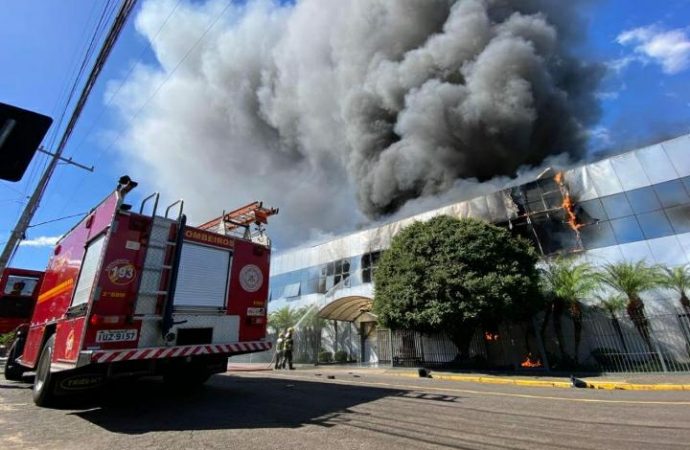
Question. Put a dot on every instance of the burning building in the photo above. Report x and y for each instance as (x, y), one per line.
(633, 206)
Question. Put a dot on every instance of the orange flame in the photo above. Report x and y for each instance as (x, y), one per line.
(490, 336)
(567, 204)
(530, 362)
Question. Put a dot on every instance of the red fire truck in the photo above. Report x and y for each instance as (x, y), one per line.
(18, 293)
(129, 294)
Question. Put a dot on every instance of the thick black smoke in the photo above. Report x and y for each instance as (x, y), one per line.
(379, 100)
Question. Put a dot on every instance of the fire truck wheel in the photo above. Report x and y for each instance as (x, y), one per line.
(44, 383)
(13, 370)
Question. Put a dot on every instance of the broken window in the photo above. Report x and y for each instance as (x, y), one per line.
(369, 264)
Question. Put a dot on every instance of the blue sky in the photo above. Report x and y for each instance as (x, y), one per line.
(644, 95)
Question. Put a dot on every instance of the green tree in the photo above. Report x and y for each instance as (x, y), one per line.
(569, 283)
(632, 279)
(284, 318)
(453, 275)
(613, 304)
(678, 279)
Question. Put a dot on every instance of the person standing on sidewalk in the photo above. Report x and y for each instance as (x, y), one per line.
(280, 343)
(287, 349)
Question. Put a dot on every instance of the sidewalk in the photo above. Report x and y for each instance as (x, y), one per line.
(639, 382)
(633, 381)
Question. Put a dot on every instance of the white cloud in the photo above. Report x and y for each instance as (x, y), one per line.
(668, 48)
(41, 241)
(601, 134)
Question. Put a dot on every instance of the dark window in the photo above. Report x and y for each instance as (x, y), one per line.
(532, 192)
(330, 268)
(366, 276)
(346, 266)
(21, 286)
(339, 266)
(554, 232)
(643, 200)
(590, 211)
(553, 200)
(616, 206)
(655, 224)
(627, 230)
(369, 262)
(16, 307)
(597, 235)
(680, 218)
(672, 193)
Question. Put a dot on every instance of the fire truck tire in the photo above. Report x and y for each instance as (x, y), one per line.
(44, 384)
(14, 370)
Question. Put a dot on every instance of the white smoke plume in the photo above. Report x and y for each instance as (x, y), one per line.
(343, 111)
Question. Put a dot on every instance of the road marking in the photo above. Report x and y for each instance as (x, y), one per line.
(471, 391)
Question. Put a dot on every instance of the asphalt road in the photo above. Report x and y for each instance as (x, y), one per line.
(303, 410)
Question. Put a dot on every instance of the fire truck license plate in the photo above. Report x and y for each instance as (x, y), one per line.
(116, 335)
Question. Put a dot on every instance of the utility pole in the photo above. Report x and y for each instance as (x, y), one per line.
(25, 219)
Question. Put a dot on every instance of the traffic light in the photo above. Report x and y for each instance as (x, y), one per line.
(21, 132)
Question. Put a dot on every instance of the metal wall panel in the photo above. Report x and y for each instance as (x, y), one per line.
(667, 250)
(606, 255)
(656, 164)
(604, 178)
(684, 241)
(678, 151)
(629, 171)
(637, 251)
(580, 184)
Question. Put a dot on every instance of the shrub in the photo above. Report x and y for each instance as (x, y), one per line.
(325, 357)
(341, 356)
(7, 338)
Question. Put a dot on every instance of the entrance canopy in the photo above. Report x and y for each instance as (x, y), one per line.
(349, 309)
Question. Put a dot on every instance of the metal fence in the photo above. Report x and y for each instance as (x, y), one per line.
(662, 344)
(607, 344)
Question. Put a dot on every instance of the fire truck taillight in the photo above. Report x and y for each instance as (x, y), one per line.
(106, 320)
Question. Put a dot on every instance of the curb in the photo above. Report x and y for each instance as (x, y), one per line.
(604, 385)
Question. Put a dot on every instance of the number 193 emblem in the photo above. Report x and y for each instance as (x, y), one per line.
(120, 272)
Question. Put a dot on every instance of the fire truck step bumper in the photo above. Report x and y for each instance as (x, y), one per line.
(109, 356)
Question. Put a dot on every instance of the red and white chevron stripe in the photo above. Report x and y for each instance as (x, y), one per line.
(107, 356)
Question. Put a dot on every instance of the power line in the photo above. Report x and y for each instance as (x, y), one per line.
(56, 220)
(119, 134)
(40, 163)
(25, 219)
(116, 93)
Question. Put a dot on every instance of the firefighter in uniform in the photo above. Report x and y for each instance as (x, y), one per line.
(287, 349)
(279, 351)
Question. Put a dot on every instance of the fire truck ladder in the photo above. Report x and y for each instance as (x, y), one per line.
(253, 213)
(159, 274)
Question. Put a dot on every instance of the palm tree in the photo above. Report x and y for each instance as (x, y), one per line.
(284, 318)
(631, 279)
(613, 304)
(570, 282)
(678, 279)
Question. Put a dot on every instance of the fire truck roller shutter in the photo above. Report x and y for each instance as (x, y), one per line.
(89, 266)
(202, 278)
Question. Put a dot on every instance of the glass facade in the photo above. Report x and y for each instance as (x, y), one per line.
(634, 206)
